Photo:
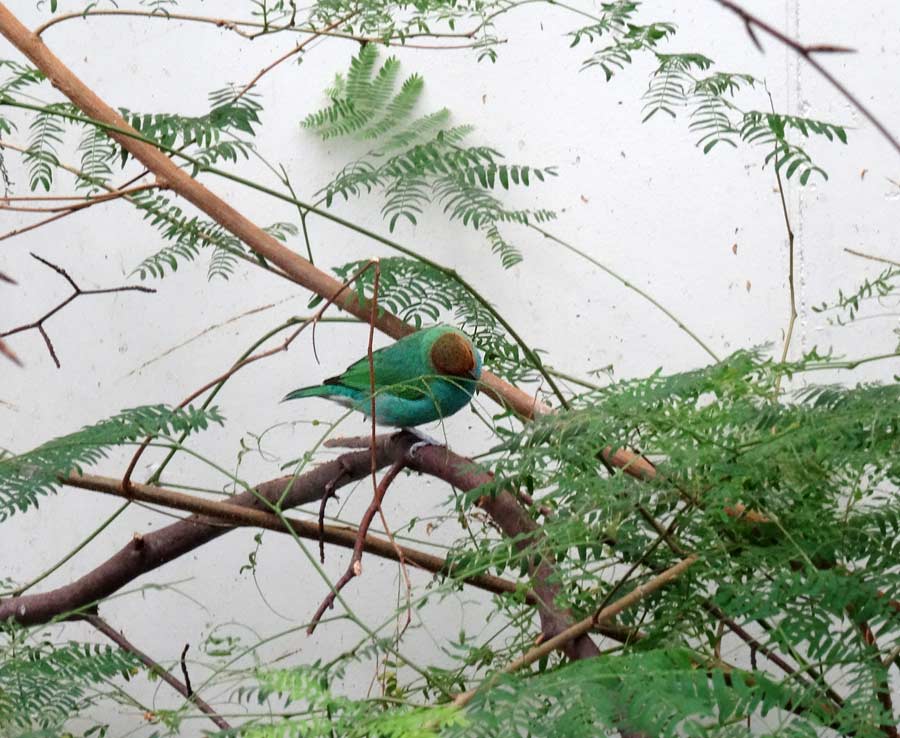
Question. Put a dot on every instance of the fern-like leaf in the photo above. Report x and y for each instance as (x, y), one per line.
(43, 685)
(98, 153)
(26, 477)
(46, 134)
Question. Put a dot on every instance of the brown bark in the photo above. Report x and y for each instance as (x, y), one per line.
(145, 553)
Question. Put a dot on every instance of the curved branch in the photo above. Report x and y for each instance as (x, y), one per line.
(808, 52)
(145, 553)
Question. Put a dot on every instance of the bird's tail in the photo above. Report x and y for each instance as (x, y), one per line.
(319, 390)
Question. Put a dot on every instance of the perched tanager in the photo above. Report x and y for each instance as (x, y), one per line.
(423, 377)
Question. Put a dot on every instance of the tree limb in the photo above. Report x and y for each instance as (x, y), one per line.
(808, 52)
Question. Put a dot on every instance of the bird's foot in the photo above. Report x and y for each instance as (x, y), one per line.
(424, 440)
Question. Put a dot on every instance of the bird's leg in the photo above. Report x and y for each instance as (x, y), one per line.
(424, 440)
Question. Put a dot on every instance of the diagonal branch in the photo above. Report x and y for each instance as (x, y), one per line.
(584, 626)
(752, 23)
(38, 324)
(183, 689)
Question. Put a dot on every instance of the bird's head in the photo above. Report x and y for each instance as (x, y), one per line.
(453, 354)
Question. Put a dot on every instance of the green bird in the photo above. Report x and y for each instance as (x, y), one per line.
(423, 377)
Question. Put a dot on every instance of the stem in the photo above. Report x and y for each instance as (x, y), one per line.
(790, 234)
(674, 318)
(870, 257)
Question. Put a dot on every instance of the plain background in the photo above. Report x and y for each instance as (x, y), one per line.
(703, 234)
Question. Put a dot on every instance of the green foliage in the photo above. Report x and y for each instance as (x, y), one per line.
(43, 685)
(789, 499)
(676, 83)
(627, 38)
(670, 692)
(847, 305)
(816, 558)
(21, 76)
(26, 477)
(45, 137)
(420, 161)
(321, 714)
(420, 293)
(228, 114)
(188, 234)
(98, 154)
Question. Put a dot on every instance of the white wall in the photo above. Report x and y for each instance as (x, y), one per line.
(640, 198)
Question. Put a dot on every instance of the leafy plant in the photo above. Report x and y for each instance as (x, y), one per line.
(732, 528)
(26, 477)
(418, 161)
(43, 685)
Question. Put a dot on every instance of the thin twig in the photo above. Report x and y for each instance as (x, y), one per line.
(296, 50)
(630, 285)
(871, 257)
(376, 278)
(354, 569)
(184, 671)
(234, 25)
(589, 623)
(183, 689)
(792, 317)
(38, 324)
(808, 52)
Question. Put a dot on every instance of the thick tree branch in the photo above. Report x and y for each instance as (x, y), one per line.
(234, 515)
(212, 519)
(145, 553)
(515, 523)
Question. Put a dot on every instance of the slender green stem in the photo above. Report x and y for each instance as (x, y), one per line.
(154, 478)
(451, 273)
(872, 257)
(850, 364)
(573, 379)
(630, 285)
(69, 556)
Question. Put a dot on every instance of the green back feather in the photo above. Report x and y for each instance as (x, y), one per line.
(399, 364)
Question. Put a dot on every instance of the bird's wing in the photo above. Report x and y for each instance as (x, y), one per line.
(397, 370)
